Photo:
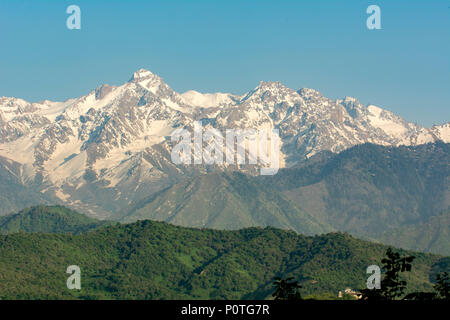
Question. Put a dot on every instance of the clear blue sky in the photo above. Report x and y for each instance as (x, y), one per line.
(230, 46)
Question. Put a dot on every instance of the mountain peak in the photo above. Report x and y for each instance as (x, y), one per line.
(142, 74)
(309, 93)
(147, 80)
(273, 87)
(348, 99)
(267, 85)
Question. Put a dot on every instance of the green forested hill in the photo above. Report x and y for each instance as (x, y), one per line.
(48, 219)
(155, 260)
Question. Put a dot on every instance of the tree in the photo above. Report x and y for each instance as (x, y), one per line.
(392, 287)
(442, 286)
(286, 289)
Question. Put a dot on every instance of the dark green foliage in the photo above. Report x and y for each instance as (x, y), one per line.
(392, 287)
(439, 267)
(286, 289)
(48, 219)
(442, 286)
(154, 260)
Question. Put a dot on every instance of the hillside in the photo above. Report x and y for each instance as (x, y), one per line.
(15, 194)
(224, 201)
(45, 219)
(431, 235)
(396, 195)
(376, 192)
(154, 260)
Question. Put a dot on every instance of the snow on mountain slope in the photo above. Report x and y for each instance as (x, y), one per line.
(387, 122)
(208, 100)
(108, 148)
(441, 132)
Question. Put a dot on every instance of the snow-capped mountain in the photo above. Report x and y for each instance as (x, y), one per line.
(208, 100)
(102, 151)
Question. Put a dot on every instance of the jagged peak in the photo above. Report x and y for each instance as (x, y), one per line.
(147, 80)
(142, 74)
(306, 92)
(267, 85)
(348, 99)
(12, 102)
(102, 91)
(309, 93)
(351, 103)
(264, 86)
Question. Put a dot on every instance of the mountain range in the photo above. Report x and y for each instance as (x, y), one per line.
(106, 150)
(344, 166)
